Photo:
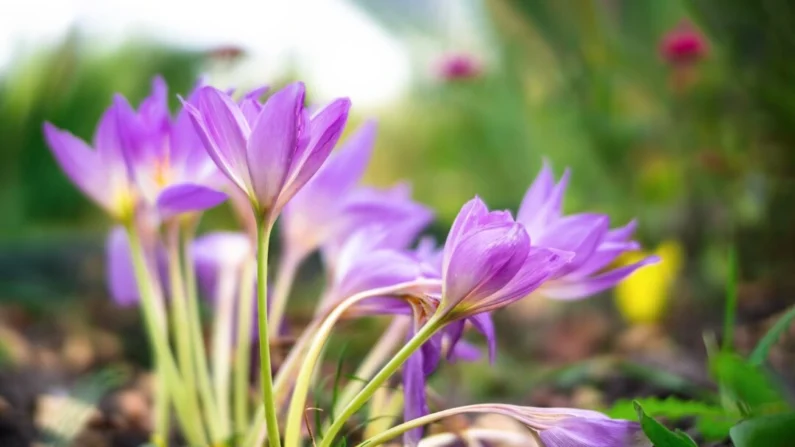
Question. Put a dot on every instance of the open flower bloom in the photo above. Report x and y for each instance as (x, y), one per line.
(588, 236)
(101, 173)
(561, 427)
(489, 263)
(167, 159)
(268, 152)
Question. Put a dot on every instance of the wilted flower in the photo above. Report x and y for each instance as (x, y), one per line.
(489, 263)
(587, 236)
(269, 153)
(566, 427)
(683, 45)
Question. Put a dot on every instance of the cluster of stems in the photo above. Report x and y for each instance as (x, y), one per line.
(211, 397)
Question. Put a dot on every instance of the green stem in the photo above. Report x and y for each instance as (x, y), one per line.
(245, 305)
(218, 427)
(288, 266)
(179, 309)
(185, 404)
(271, 418)
(423, 335)
(162, 419)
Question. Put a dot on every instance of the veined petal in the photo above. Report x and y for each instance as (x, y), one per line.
(325, 129)
(593, 432)
(536, 195)
(224, 132)
(576, 289)
(273, 142)
(466, 220)
(579, 234)
(415, 403)
(187, 197)
(482, 263)
(622, 234)
(482, 322)
(601, 258)
(81, 164)
(550, 210)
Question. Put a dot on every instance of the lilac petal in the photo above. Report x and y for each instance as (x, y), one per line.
(415, 404)
(186, 198)
(551, 209)
(81, 164)
(216, 252)
(579, 234)
(540, 265)
(483, 263)
(120, 273)
(582, 432)
(605, 255)
(482, 322)
(381, 268)
(107, 141)
(466, 220)
(432, 350)
(224, 131)
(274, 139)
(536, 195)
(325, 129)
(463, 350)
(622, 234)
(185, 142)
(576, 289)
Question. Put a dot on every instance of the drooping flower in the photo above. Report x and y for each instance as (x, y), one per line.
(588, 236)
(168, 162)
(101, 173)
(684, 44)
(270, 153)
(489, 263)
(566, 427)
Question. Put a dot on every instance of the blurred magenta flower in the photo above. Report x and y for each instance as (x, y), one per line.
(684, 44)
(587, 236)
(489, 263)
(101, 173)
(458, 66)
(166, 158)
(269, 153)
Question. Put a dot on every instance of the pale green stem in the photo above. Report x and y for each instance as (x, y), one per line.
(184, 402)
(288, 266)
(423, 335)
(222, 342)
(179, 309)
(271, 417)
(161, 413)
(303, 382)
(214, 423)
(245, 305)
(398, 430)
(377, 356)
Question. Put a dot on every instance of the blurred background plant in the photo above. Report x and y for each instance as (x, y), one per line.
(679, 113)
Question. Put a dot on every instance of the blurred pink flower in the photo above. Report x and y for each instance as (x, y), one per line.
(458, 66)
(684, 44)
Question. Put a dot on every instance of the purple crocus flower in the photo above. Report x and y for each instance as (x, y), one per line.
(586, 235)
(269, 153)
(170, 166)
(488, 263)
(101, 173)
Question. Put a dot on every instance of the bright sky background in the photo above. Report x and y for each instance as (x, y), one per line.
(340, 50)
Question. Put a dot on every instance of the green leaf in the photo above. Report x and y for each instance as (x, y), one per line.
(660, 435)
(712, 421)
(751, 388)
(765, 431)
(771, 337)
